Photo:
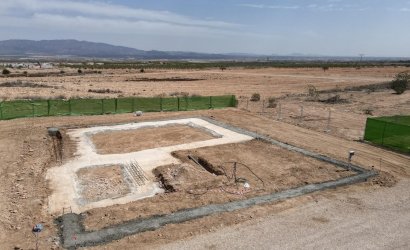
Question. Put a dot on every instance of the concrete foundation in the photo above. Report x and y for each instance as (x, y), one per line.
(71, 223)
(64, 182)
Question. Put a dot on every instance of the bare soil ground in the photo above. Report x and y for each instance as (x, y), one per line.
(347, 118)
(267, 169)
(98, 183)
(119, 142)
(279, 168)
(241, 82)
(26, 152)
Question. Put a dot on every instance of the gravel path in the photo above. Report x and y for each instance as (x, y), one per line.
(379, 219)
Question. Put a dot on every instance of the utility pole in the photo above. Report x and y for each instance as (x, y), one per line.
(361, 57)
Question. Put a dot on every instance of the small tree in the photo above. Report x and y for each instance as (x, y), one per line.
(256, 97)
(5, 72)
(79, 71)
(325, 68)
(142, 70)
(400, 83)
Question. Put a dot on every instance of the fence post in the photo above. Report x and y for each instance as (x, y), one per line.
(178, 104)
(1, 110)
(210, 102)
(48, 107)
(69, 106)
(160, 103)
(133, 105)
(32, 108)
(263, 107)
(102, 106)
(116, 105)
(328, 121)
(384, 130)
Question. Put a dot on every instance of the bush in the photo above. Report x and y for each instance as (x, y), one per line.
(272, 102)
(400, 84)
(79, 71)
(256, 97)
(313, 93)
(5, 72)
(142, 70)
(368, 111)
(103, 91)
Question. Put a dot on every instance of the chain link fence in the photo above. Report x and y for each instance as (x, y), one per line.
(38, 108)
(392, 132)
(345, 124)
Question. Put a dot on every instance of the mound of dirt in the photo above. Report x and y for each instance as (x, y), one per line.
(384, 179)
(186, 177)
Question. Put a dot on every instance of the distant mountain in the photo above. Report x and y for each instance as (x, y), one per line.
(84, 49)
(73, 49)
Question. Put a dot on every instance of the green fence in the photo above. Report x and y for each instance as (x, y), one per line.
(30, 108)
(392, 132)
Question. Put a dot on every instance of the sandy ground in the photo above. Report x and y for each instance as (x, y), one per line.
(240, 82)
(26, 154)
(63, 179)
(102, 183)
(279, 169)
(145, 138)
(375, 219)
(347, 118)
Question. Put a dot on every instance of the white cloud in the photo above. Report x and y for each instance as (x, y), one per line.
(102, 10)
(330, 5)
(404, 9)
(262, 6)
(121, 25)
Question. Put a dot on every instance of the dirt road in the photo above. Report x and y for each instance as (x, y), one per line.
(379, 219)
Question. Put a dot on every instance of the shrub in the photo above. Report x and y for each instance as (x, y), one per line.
(5, 72)
(142, 70)
(400, 83)
(103, 91)
(313, 93)
(368, 111)
(272, 102)
(179, 94)
(79, 71)
(256, 97)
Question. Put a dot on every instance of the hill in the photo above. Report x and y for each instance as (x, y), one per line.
(74, 48)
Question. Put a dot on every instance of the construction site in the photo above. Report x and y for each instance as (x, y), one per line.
(204, 167)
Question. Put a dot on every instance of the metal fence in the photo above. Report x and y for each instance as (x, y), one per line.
(392, 132)
(38, 108)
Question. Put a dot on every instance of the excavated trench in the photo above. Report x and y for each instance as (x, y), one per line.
(73, 234)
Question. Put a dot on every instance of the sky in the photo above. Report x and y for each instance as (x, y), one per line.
(282, 27)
